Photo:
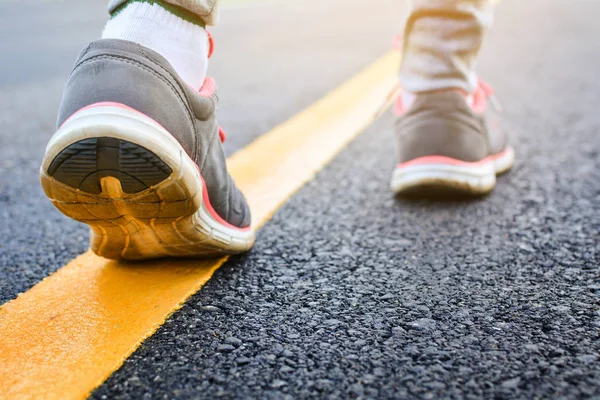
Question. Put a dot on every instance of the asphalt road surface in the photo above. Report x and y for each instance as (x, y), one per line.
(349, 292)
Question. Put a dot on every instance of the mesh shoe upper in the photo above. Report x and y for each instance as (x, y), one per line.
(443, 124)
(111, 70)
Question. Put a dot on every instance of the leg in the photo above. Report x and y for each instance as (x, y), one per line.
(206, 10)
(442, 40)
(446, 140)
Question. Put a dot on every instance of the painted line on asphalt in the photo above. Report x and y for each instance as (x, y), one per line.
(70, 332)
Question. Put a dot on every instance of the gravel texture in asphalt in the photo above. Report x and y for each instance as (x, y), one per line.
(351, 293)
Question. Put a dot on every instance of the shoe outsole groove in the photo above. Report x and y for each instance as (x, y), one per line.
(85, 163)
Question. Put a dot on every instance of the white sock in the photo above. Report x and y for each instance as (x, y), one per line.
(182, 43)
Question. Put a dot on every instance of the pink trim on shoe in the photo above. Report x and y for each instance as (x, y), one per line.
(399, 108)
(205, 197)
(209, 87)
(480, 96)
(222, 135)
(482, 93)
(212, 211)
(428, 160)
(211, 44)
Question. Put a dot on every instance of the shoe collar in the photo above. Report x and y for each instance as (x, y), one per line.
(477, 101)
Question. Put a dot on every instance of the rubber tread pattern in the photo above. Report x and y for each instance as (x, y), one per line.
(83, 164)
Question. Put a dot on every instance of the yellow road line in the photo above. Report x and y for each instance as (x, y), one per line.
(66, 335)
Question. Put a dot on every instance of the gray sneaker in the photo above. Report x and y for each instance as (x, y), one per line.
(447, 146)
(138, 157)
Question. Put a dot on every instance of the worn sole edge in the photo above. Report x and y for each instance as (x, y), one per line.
(121, 122)
(455, 176)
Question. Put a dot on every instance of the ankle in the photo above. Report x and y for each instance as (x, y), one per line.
(182, 42)
(173, 9)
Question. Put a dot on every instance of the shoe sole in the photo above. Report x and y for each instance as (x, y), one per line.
(444, 175)
(123, 174)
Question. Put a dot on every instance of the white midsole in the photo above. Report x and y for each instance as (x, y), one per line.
(479, 178)
(505, 162)
(123, 123)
